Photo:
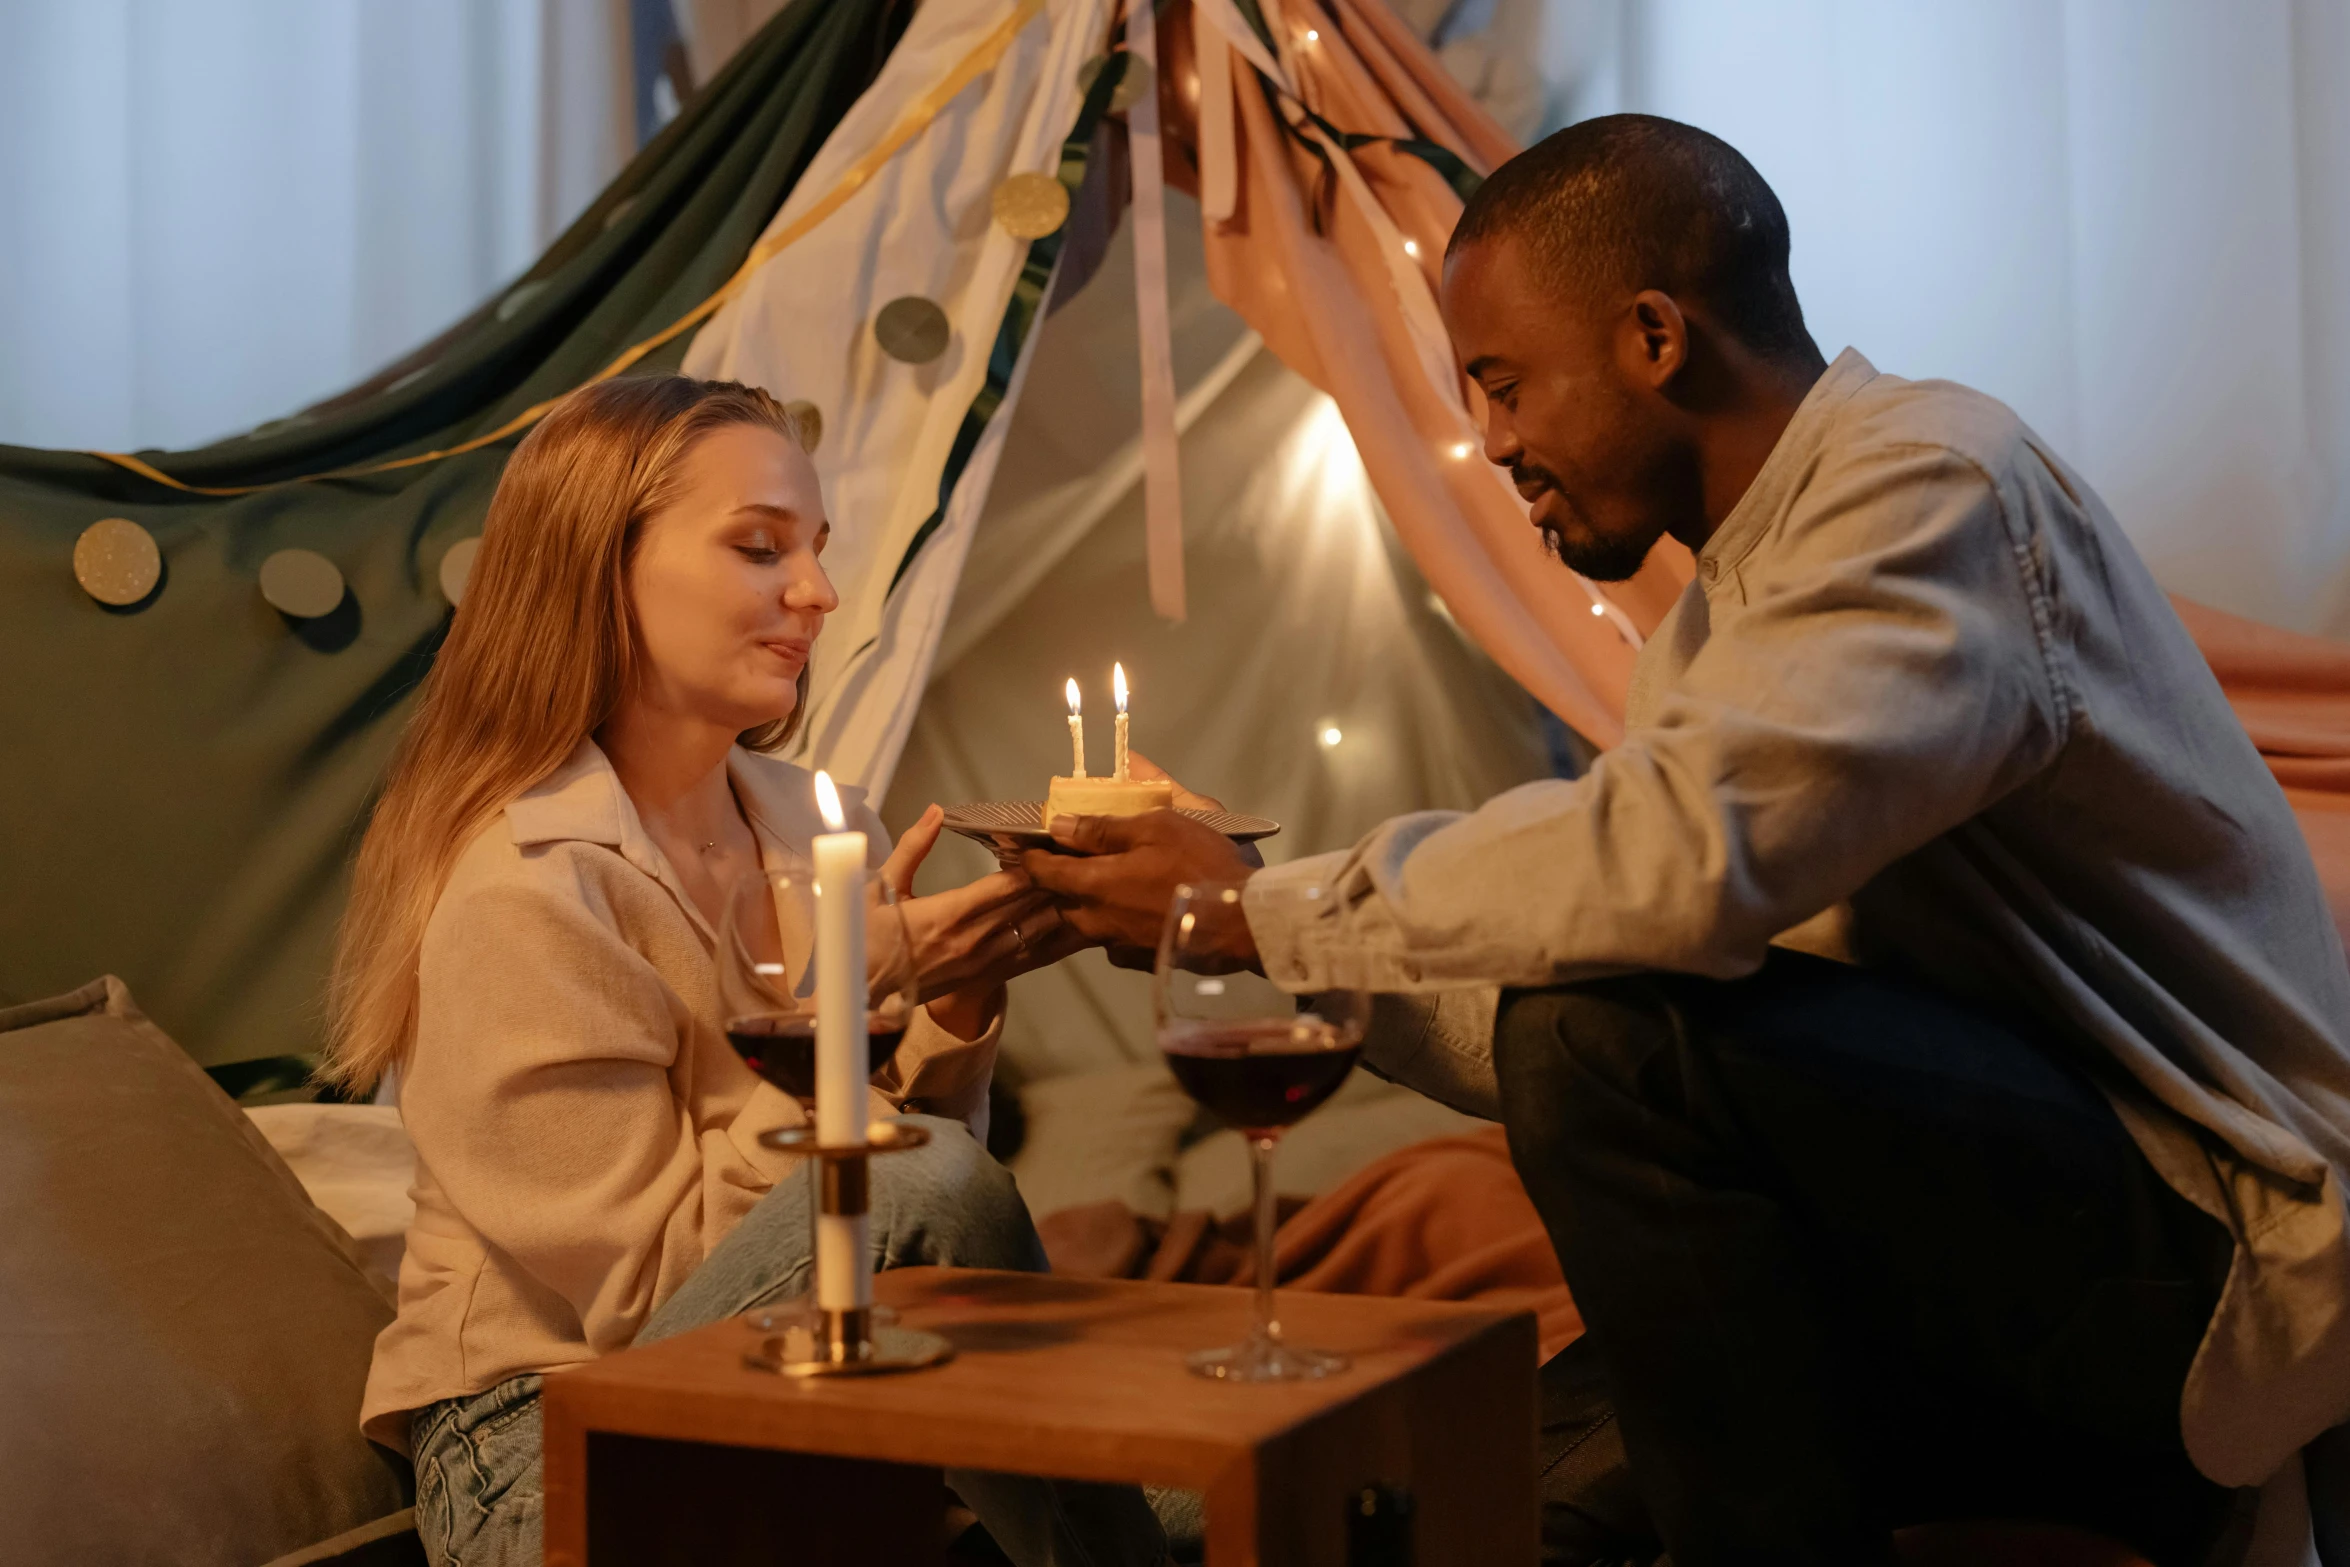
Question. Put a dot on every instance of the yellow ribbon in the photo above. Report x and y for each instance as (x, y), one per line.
(912, 123)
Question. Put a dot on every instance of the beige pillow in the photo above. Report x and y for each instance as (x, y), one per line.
(1094, 1136)
(186, 1335)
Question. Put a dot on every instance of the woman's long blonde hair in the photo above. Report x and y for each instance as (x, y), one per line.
(542, 650)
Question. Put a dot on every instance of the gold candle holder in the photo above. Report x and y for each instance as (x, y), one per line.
(846, 1342)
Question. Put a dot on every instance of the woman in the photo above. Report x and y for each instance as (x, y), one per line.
(529, 944)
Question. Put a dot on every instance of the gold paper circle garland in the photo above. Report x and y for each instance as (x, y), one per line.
(912, 329)
(457, 568)
(1030, 206)
(116, 561)
(807, 421)
(1129, 86)
(301, 583)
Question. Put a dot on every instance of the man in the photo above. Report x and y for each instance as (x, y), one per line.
(1927, 1041)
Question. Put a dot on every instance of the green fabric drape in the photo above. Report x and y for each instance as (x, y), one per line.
(183, 783)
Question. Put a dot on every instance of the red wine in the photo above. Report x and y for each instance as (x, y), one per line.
(1260, 1075)
(781, 1047)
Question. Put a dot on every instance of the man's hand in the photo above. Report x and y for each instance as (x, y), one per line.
(1118, 891)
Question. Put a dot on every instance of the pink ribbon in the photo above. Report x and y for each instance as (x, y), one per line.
(1162, 481)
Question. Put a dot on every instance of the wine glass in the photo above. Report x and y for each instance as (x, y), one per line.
(767, 996)
(1261, 1059)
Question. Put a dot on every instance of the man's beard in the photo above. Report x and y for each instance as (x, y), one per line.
(1590, 555)
(1602, 560)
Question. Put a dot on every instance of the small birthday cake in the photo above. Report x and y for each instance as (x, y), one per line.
(1106, 797)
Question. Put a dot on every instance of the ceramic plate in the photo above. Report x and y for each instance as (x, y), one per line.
(995, 822)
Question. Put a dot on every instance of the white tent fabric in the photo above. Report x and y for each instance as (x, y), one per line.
(803, 328)
(1305, 615)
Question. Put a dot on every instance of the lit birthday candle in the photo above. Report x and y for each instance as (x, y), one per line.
(844, 1270)
(1118, 685)
(1076, 732)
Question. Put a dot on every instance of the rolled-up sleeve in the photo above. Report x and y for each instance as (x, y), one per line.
(1890, 678)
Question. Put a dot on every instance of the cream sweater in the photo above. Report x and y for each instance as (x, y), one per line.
(584, 1133)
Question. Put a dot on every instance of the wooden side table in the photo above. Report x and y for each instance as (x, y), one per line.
(680, 1452)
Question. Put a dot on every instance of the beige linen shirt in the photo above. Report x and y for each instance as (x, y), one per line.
(584, 1133)
(1924, 701)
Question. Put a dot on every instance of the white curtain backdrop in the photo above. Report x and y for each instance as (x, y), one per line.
(2129, 219)
(213, 212)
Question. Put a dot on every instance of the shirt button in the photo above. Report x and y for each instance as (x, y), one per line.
(1707, 567)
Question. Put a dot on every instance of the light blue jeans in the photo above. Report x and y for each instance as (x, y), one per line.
(478, 1500)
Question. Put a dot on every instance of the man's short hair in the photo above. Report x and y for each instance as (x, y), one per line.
(1633, 201)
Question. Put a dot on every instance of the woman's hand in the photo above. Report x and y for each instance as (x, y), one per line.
(912, 849)
(969, 941)
(978, 933)
(975, 937)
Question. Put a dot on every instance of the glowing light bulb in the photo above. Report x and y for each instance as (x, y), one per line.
(1461, 450)
(1599, 609)
(1330, 735)
(1411, 247)
(1312, 36)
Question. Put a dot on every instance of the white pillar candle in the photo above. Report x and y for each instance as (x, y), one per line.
(1118, 684)
(844, 1269)
(1076, 732)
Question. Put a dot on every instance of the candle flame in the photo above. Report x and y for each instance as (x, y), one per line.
(1118, 684)
(828, 802)
(1074, 706)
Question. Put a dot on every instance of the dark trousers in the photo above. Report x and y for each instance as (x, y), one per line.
(1853, 1256)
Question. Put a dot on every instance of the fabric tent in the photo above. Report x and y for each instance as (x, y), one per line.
(1306, 613)
(1330, 151)
(919, 225)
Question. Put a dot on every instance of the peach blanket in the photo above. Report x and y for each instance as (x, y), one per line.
(1441, 1220)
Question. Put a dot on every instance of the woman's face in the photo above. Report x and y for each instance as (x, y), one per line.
(726, 585)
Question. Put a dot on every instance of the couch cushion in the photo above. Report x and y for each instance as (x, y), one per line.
(1093, 1136)
(183, 1335)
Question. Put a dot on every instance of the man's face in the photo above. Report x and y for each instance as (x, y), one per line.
(1574, 410)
